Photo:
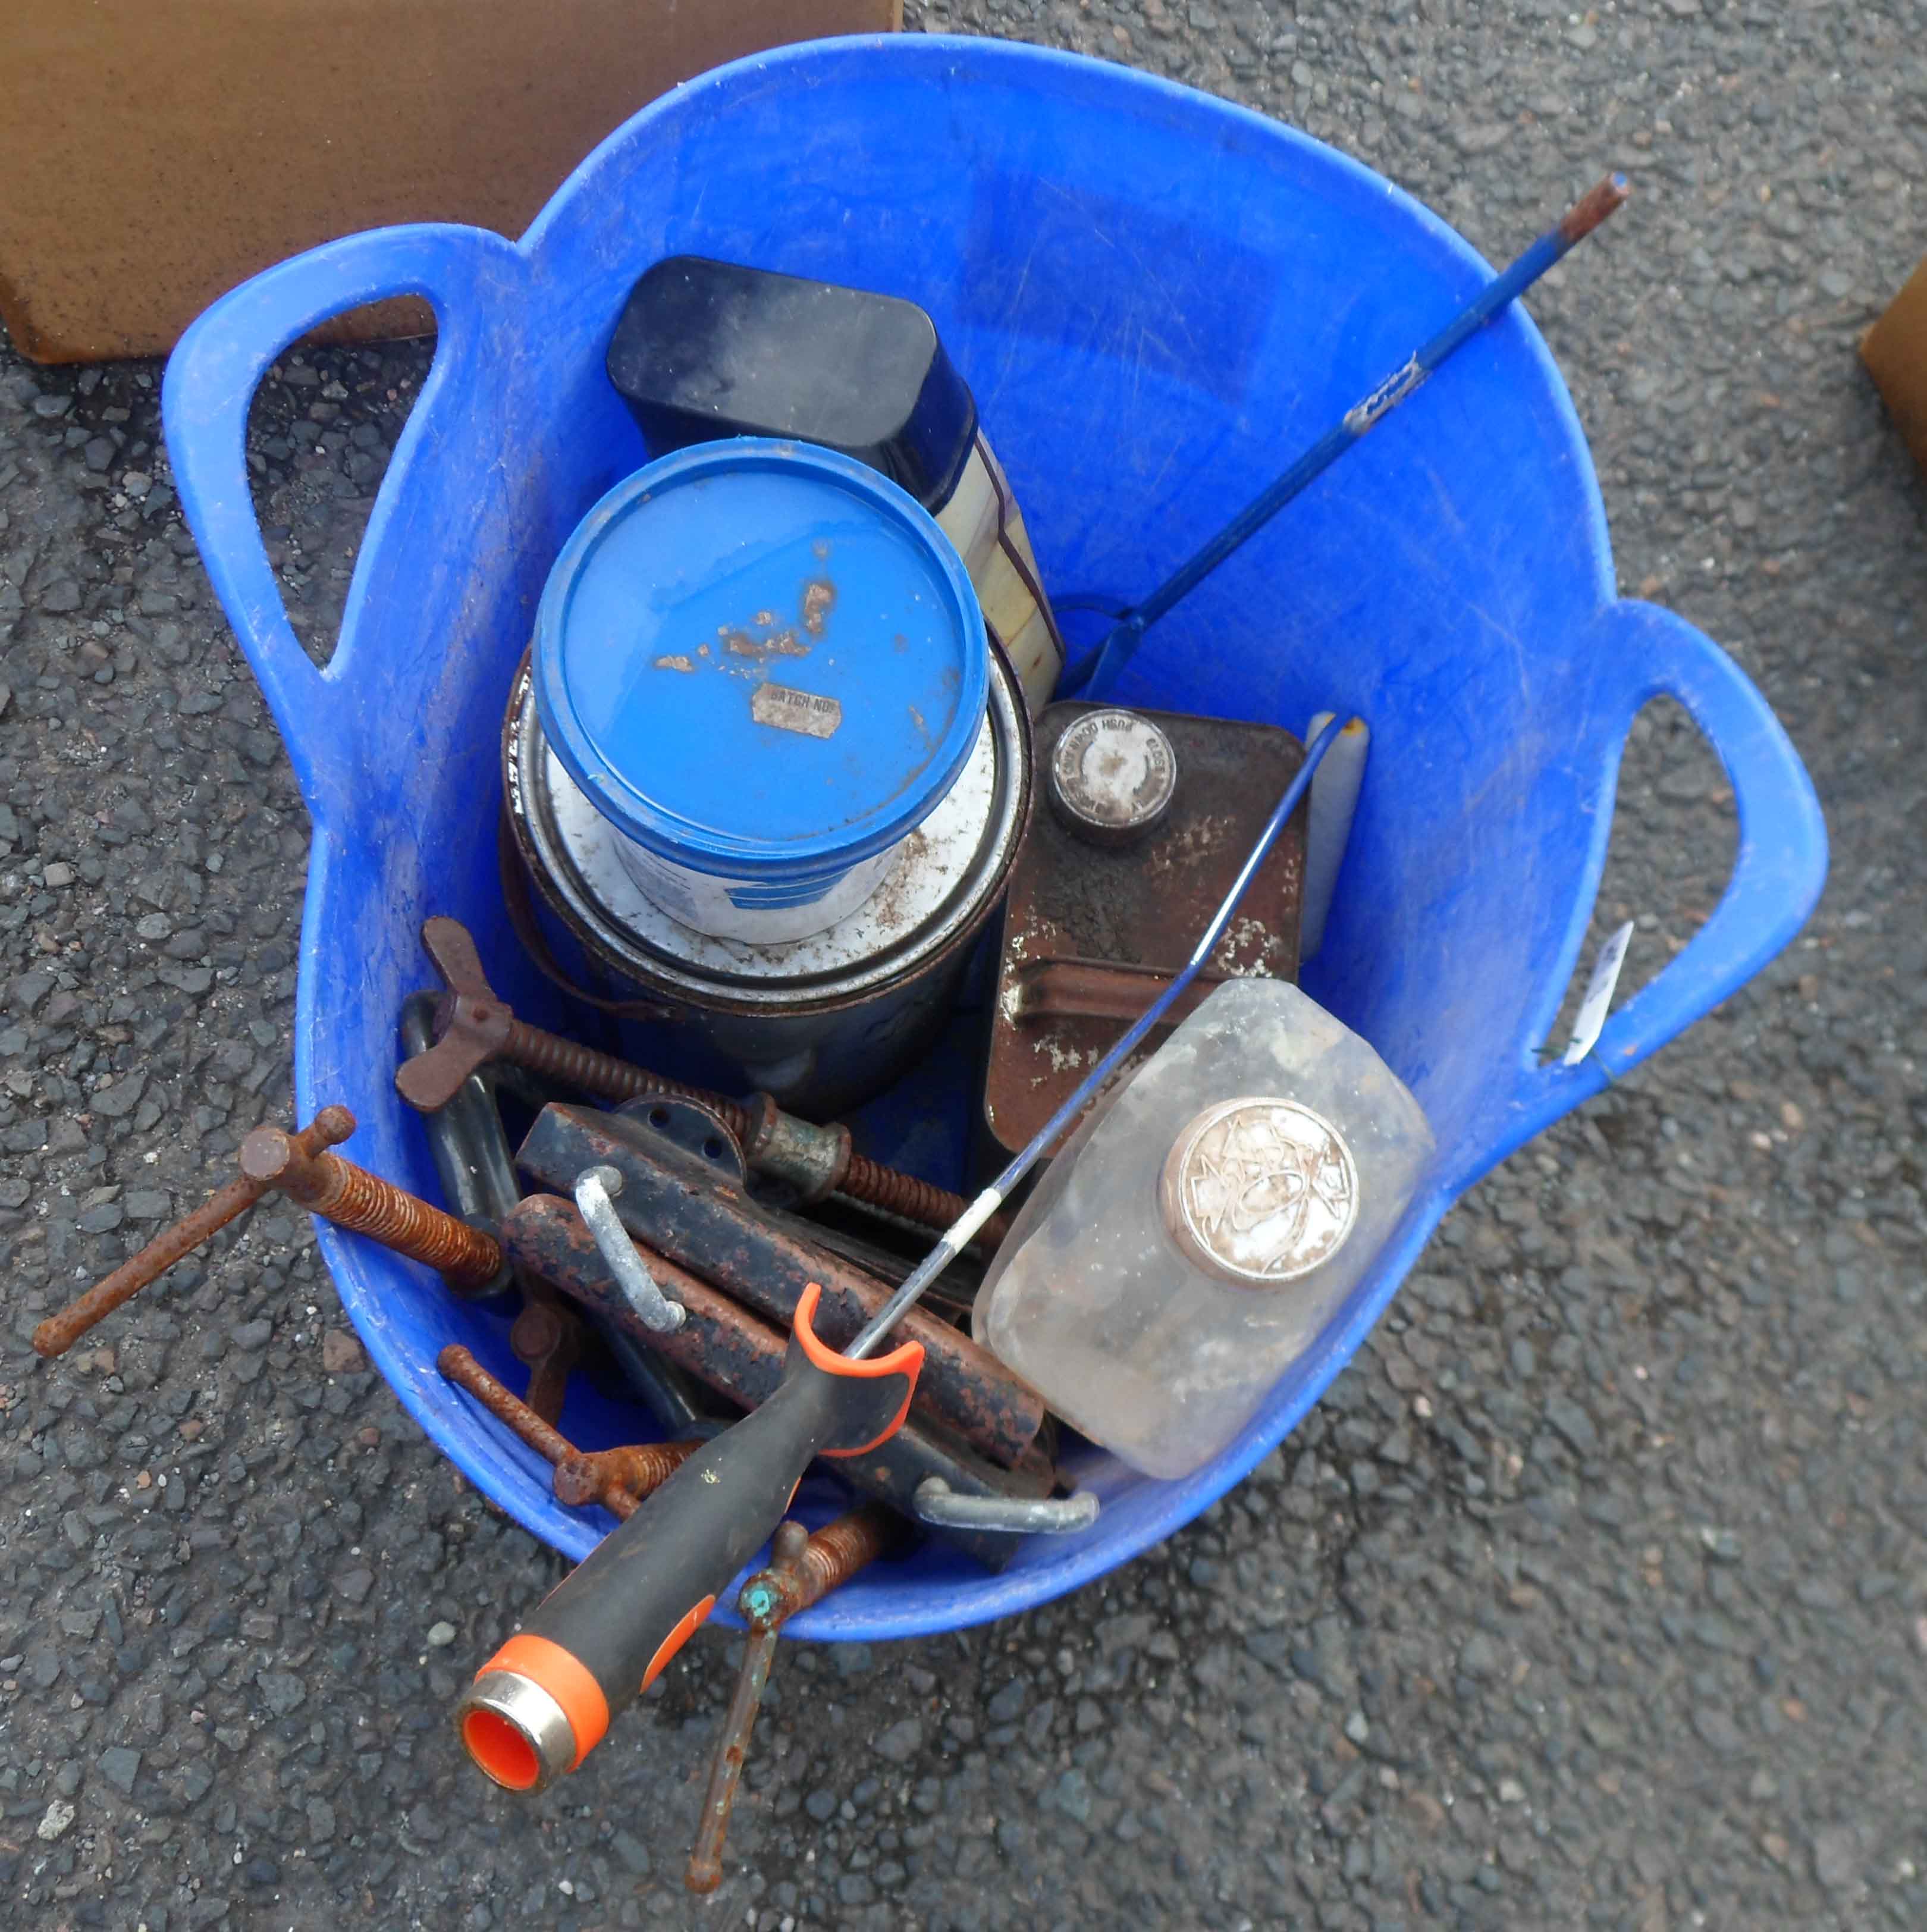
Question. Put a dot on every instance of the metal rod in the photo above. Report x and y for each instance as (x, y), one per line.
(802, 1569)
(58, 1333)
(937, 1502)
(1120, 645)
(706, 1857)
(458, 1366)
(994, 1197)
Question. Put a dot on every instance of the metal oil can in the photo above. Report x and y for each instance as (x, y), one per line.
(1148, 816)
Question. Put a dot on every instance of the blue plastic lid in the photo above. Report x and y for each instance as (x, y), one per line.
(760, 659)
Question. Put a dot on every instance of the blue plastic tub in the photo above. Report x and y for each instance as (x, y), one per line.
(1155, 296)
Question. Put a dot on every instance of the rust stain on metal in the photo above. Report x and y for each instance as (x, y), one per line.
(1091, 934)
(619, 1479)
(710, 1226)
(353, 1198)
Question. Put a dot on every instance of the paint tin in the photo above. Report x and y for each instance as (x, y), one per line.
(706, 349)
(822, 1022)
(764, 667)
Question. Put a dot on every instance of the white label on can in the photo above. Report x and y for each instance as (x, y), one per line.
(800, 711)
(1598, 1000)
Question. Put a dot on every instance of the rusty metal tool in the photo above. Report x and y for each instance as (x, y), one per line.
(299, 1165)
(618, 1479)
(802, 1569)
(545, 1698)
(742, 1358)
(466, 1139)
(693, 1209)
(1095, 930)
(472, 1027)
(473, 1158)
(470, 1148)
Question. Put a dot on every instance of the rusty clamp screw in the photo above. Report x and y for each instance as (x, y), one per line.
(937, 1502)
(618, 1479)
(300, 1165)
(475, 1027)
(58, 1333)
(652, 1308)
(802, 1569)
(364, 1203)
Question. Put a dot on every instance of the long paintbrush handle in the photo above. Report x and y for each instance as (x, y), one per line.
(1579, 221)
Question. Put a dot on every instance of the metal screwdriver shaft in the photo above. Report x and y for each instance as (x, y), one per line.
(1579, 221)
(957, 1239)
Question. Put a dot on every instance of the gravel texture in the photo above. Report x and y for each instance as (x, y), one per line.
(1593, 1595)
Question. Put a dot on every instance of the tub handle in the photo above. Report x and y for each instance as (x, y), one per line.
(211, 380)
(1644, 651)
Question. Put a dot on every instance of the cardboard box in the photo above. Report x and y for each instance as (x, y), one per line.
(154, 153)
(1895, 350)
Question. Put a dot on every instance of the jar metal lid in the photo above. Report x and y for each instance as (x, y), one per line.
(1113, 774)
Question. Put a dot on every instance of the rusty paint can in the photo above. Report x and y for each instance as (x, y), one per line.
(822, 1022)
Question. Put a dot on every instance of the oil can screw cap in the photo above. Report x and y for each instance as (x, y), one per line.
(1113, 774)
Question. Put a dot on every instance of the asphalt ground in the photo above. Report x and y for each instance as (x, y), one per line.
(1594, 1595)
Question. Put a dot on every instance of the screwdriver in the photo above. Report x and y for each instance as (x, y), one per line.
(606, 1631)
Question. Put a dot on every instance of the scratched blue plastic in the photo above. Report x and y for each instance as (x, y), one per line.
(1152, 294)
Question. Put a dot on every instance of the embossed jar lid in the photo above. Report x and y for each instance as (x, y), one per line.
(759, 659)
(1259, 1191)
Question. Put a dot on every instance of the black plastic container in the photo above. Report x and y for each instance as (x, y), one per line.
(709, 348)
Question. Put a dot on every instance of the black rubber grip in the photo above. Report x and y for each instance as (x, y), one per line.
(625, 1610)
